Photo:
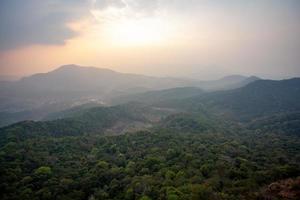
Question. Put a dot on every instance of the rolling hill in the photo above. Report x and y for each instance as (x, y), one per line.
(36, 96)
(187, 107)
(235, 144)
(257, 99)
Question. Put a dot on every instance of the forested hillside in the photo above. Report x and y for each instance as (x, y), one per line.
(192, 147)
(160, 164)
(258, 99)
(166, 100)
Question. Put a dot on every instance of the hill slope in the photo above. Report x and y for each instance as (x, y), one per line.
(36, 96)
(263, 97)
(96, 120)
(159, 96)
(257, 99)
(261, 102)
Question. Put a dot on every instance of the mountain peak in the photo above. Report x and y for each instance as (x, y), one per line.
(234, 77)
(68, 67)
(76, 68)
(73, 67)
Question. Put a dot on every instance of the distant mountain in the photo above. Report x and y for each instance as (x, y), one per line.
(262, 105)
(73, 84)
(91, 79)
(227, 83)
(257, 99)
(36, 96)
(265, 104)
(78, 79)
(8, 78)
(159, 95)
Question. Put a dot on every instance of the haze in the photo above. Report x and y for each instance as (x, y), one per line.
(202, 39)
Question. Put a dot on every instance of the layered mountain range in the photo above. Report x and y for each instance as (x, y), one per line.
(88, 133)
(37, 96)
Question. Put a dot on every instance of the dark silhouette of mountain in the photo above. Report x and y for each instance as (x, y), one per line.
(257, 99)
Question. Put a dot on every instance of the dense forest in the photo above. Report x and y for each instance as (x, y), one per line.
(162, 164)
(222, 145)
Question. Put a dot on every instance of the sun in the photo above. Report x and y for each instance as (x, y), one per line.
(121, 26)
(145, 31)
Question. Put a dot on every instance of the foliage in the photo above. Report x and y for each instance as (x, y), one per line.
(196, 152)
(161, 164)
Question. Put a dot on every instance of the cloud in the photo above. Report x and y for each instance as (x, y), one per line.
(102, 4)
(108, 10)
(38, 22)
(45, 22)
(146, 6)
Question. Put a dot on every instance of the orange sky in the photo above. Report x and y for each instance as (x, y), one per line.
(205, 40)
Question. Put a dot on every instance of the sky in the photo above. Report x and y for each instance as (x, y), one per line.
(204, 39)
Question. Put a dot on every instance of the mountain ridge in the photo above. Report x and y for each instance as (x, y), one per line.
(34, 97)
(257, 101)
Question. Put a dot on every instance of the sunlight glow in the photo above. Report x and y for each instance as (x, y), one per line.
(138, 32)
(122, 27)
